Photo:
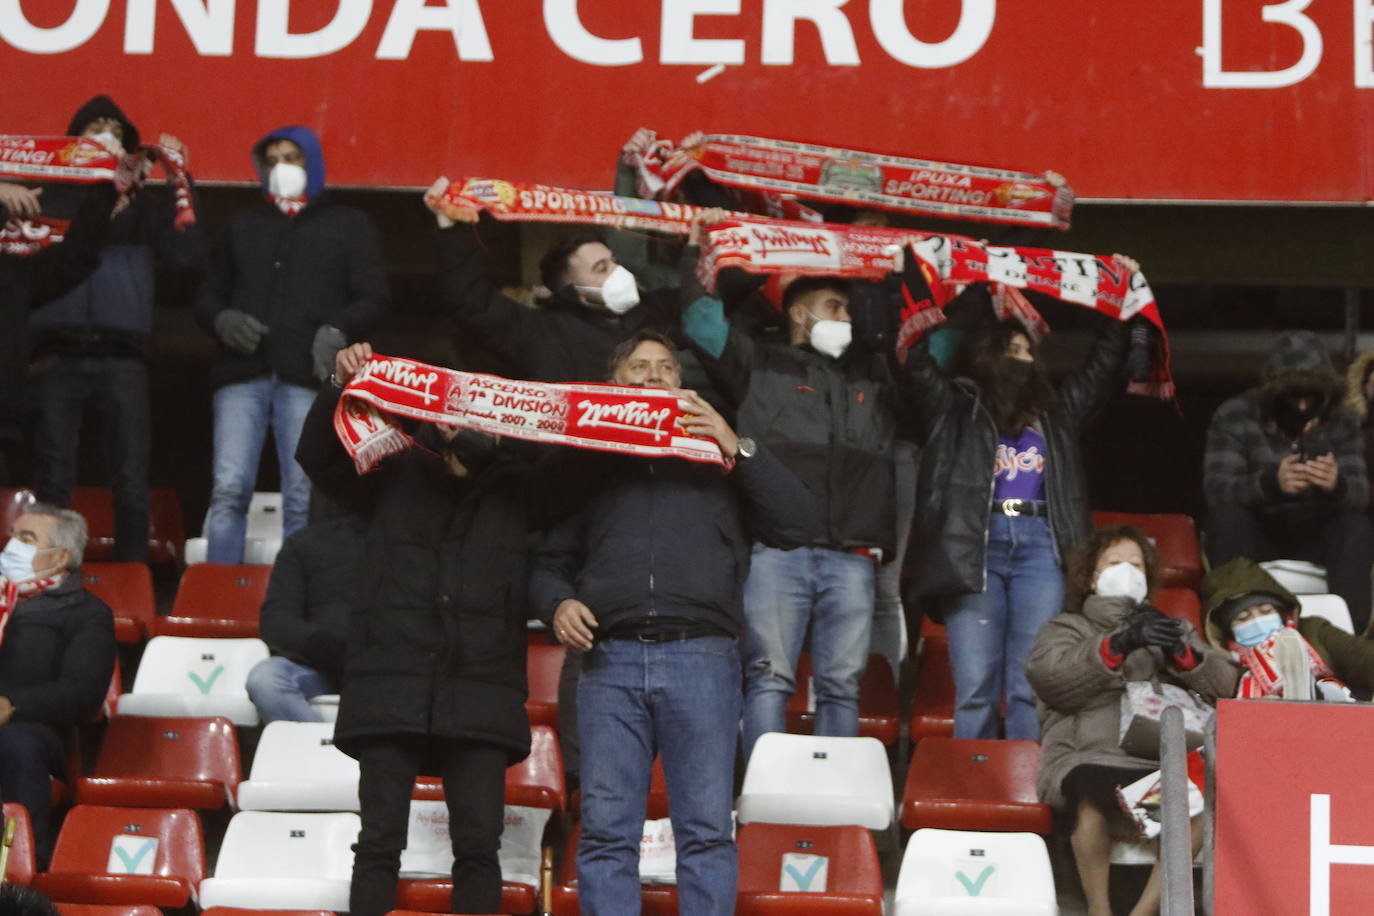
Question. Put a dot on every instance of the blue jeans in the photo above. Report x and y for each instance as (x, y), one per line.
(283, 689)
(830, 590)
(680, 700)
(117, 387)
(991, 632)
(243, 413)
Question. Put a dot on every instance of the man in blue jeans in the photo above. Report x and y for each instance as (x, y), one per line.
(646, 579)
(304, 621)
(296, 277)
(826, 408)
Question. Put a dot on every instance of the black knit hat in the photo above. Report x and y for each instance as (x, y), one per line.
(102, 106)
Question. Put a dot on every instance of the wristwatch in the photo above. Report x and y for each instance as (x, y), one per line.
(746, 448)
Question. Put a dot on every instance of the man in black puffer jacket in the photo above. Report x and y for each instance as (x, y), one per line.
(295, 279)
(647, 580)
(435, 675)
(56, 659)
(304, 619)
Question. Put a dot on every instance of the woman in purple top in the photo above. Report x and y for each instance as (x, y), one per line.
(1000, 498)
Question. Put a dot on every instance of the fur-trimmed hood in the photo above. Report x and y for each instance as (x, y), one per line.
(1236, 579)
(1299, 361)
(1354, 384)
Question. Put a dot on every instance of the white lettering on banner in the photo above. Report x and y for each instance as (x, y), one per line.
(889, 27)
(275, 39)
(401, 376)
(636, 416)
(780, 27)
(1289, 13)
(567, 31)
(85, 21)
(208, 23)
(461, 17)
(1325, 854)
(1364, 57)
(677, 41)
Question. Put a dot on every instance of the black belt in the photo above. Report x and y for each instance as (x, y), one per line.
(1014, 508)
(656, 634)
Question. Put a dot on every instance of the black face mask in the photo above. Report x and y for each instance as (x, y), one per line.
(1293, 419)
(1016, 371)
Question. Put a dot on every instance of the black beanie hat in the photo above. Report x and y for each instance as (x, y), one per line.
(102, 106)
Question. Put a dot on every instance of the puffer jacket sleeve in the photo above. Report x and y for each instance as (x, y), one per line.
(1227, 477)
(1215, 676)
(1065, 667)
(1352, 491)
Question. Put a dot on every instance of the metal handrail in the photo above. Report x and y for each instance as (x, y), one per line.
(1175, 839)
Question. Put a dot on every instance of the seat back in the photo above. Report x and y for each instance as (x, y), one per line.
(297, 768)
(802, 779)
(537, 781)
(200, 667)
(217, 600)
(114, 909)
(1330, 607)
(166, 525)
(1298, 576)
(544, 664)
(96, 506)
(273, 844)
(958, 871)
(878, 702)
(128, 589)
(22, 863)
(975, 784)
(1182, 603)
(265, 516)
(154, 758)
(1175, 537)
(99, 840)
(776, 858)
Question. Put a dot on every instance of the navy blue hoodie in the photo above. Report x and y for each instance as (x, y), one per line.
(295, 274)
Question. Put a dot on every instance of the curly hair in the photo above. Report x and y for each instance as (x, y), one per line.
(1013, 403)
(1082, 565)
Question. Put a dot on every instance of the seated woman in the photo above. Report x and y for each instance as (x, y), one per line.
(1284, 655)
(1079, 667)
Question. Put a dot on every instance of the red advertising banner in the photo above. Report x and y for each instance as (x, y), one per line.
(1293, 832)
(1234, 100)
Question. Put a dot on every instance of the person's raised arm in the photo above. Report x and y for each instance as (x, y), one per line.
(1089, 388)
(726, 354)
(320, 453)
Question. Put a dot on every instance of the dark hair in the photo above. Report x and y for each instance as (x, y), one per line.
(18, 900)
(1014, 403)
(553, 266)
(626, 347)
(1082, 564)
(803, 285)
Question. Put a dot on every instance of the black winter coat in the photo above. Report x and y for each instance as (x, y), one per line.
(314, 585)
(562, 341)
(58, 655)
(436, 642)
(954, 485)
(665, 537)
(294, 274)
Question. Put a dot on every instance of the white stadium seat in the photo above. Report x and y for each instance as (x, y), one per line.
(273, 860)
(1330, 607)
(827, 782)
(185, 676)
(963, 873)
(298, 768)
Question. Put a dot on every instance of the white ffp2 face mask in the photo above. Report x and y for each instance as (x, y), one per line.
(831, 337)
(1122, 580)
(16, 561)
(108, 140)
(287, 180)
(619, 293)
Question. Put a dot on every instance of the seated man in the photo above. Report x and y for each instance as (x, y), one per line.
(57, 653)
(1246, 610)
(305, 617)
(1284, 473)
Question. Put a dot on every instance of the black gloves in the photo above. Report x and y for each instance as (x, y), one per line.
(326, 345)
(239, 331)
(1148, 626)
(875, 316)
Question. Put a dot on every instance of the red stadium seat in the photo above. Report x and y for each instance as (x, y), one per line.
(13, 501)
(656, 900)
(932, 709)
(166, 526)
(436, 896)
(216, 601)
(236, 911)
(1182, 603)
(854, 880)
(535, 782)
(128, 589)
(879, 715)
(544, 663)
(22, 863)
(96, 506)
(1176, 538)
(966, 784)
(165, 763)
(158, 857)
(95, 909)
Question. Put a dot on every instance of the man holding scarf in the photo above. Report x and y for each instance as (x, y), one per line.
(57, 654)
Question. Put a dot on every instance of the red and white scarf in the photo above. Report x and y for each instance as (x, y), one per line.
(635, 421)
(1261, 677)
(11, 593)
(82, 160)
(783, 169)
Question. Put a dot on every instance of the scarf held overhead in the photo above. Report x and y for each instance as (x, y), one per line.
(847, 176)
(81, 160)
(635, 421)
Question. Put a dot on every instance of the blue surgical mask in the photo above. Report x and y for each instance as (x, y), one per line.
(16, 561)
(1256, 630)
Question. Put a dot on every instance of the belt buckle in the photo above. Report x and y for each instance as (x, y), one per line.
(1010, 510)
(646, 637)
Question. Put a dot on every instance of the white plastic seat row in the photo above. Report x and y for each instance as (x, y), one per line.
(262, 537)
(804, 779)
(962, 873)
(185, 676)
